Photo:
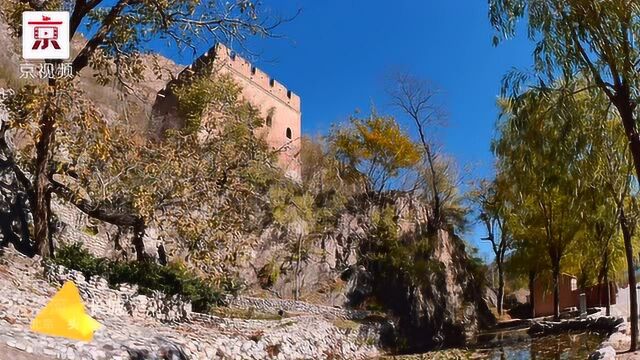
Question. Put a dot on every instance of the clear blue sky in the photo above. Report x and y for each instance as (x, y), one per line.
(336, 53)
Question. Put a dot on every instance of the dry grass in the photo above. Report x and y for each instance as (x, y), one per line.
(346, 324)
(500, 318)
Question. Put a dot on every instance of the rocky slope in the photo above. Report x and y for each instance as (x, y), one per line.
(133, 329)
(444, 307)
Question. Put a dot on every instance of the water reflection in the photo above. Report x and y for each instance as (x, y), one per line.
(517, 345)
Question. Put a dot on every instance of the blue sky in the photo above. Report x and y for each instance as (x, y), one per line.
(336, 53)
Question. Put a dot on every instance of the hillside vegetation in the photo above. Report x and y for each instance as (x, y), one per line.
(371, 225)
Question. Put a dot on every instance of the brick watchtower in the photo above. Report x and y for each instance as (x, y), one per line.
(279, 106)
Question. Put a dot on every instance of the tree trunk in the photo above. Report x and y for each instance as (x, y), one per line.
(606, 281)
(138, 240)
(500, 295)
(626, 109)
(121, 220)
(40, 206)
(633, 295)
(296, 293)
(605, 273)
(608, 305)
(21, 212)
(532, 298)
(556, 289)
(437, 221)
(41, 213)
(52, 224)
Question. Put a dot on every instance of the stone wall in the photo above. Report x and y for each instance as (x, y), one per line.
(101, 299)
(126, 300)
(100, 238)
(74, 226)
(275, 306)
(279, 106)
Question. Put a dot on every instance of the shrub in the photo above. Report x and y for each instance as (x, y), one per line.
(76, 258)
(172, 279)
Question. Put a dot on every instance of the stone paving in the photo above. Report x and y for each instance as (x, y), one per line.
(132, 334)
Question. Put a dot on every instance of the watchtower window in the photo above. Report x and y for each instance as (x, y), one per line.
(253, 70)
(289, 94)
(272, 82)
(269, 120)
(289, 133)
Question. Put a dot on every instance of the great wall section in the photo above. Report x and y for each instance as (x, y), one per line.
(280, 107)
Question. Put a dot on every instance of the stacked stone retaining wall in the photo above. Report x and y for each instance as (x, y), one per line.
(277, 306)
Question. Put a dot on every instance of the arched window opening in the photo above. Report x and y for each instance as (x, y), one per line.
(289, 133)
(269, 120)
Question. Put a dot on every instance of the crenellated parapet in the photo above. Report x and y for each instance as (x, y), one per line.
(279, 106)
(221, 56)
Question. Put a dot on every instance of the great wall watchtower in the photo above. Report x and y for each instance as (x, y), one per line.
(279, 106)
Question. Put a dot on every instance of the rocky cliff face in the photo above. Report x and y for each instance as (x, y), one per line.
(438, 302)
(443, 309)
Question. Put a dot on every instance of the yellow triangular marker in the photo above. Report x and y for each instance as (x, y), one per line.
(65, 316)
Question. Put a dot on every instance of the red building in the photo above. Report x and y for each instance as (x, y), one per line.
(569, 295)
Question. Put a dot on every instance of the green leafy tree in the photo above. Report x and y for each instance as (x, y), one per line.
(540, 153)
(595, 38)
(525, 262)
(609, 201)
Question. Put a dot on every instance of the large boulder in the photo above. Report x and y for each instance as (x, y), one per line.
(516, 298)
(490, 297)
(446, 308)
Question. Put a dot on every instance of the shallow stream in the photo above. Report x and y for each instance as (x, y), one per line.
(517, 345)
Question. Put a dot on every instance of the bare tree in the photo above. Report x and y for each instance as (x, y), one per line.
(418, 100)
(492, 214)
